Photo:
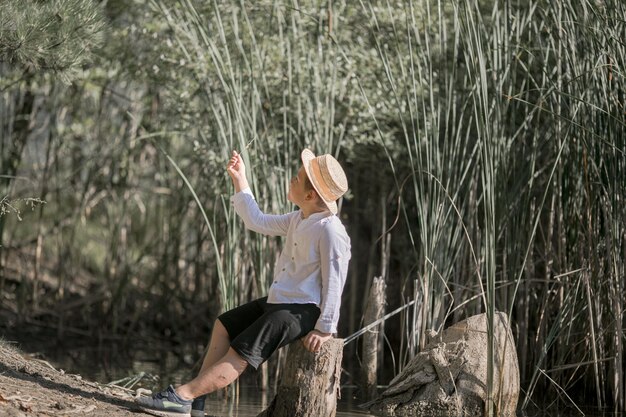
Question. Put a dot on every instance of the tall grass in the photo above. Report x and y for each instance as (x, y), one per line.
(266, 112)
(522, 128)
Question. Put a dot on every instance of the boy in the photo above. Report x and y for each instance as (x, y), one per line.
(304, 298)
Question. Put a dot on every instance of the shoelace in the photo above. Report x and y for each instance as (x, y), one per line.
(160, 396)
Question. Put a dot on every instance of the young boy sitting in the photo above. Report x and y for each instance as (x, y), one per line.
(305, 295)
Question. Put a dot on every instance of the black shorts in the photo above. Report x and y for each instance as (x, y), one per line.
(257, 329)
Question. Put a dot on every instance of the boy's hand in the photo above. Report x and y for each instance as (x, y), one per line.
(315, 339)
(237, 171)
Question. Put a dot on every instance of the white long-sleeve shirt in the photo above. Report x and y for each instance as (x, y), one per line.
(313, 264)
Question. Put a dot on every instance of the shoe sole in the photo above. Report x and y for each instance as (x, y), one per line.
(162, 413)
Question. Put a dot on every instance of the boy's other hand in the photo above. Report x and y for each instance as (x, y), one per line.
(315, 339)
(237, 171)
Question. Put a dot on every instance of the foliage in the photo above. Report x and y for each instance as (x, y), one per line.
(8, 207)
(58, 36)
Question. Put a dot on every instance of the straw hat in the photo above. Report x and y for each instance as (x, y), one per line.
(327, 177)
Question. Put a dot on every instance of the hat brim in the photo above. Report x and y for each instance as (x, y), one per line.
(307, 156)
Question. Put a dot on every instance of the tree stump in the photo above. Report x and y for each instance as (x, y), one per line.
(309, 386)
(449, 377)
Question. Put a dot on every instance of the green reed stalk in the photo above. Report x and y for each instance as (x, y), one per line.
(220, 271)
(482, 105)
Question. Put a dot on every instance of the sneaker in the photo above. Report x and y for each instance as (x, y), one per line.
(197, 407)
(165, 404)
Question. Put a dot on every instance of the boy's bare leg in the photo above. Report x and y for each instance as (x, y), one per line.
(215, 376)
(218, 346)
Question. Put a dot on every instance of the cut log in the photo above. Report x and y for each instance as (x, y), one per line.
(309, 386)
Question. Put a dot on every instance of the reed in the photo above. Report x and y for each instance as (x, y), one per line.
(492, 149)
(267, 112)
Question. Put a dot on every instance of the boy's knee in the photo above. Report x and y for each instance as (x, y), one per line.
(236, 360)
(220, 331)
(218, 327)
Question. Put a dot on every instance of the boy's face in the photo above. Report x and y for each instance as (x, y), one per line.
(297, 192)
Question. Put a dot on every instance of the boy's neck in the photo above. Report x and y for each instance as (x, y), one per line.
(307, 211)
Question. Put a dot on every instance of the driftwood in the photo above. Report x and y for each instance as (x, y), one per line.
(370, 347)
(309, 386)
(449, 377)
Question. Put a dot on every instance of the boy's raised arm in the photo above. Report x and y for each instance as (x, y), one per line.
(246, 206)
(237, 171)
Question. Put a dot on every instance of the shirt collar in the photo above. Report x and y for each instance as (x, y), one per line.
(316, 216)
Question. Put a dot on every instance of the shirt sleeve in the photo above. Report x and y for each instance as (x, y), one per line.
(269, 224)
(334, 258)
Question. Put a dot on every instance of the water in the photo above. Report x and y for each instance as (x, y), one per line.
(250, 403)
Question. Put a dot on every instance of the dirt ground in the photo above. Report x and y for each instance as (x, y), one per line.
(32, 387)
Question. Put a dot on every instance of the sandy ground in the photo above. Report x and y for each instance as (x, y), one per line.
(32, 387)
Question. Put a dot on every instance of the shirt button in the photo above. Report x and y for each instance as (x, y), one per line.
(292, 258)
(295, 244)
(283, 269)
(275, 282)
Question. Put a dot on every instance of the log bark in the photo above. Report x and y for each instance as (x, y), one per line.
(309, 386)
